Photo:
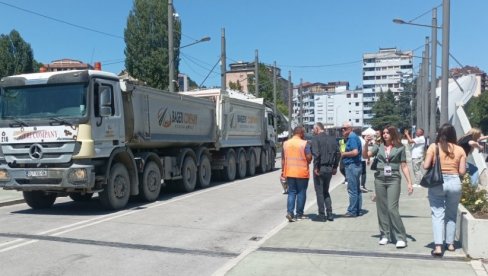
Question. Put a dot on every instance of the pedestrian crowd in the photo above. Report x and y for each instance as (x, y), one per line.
(352, 155)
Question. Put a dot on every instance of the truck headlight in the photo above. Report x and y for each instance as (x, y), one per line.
(4, 176)
(78, 176)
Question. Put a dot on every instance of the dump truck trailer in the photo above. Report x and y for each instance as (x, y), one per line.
(76, 133)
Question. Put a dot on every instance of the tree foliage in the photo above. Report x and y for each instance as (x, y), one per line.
(266, 91)
(16, 55)
(386, 111)
(477, 111)
(146, 39)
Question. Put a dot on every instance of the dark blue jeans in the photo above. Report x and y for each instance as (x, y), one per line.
(297, 195)
(353, 175)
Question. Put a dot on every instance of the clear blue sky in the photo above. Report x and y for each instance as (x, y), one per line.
(295, 34)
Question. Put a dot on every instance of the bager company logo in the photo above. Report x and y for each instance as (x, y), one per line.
(35, 134)
(177, 118)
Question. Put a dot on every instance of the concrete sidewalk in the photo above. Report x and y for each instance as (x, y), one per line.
(349, 246)
(10, 197)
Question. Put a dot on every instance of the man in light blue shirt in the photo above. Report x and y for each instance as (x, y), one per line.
(352, 163)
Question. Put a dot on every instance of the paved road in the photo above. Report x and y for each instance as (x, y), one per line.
(180, 234)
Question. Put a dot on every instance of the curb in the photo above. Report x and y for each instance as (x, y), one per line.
(11, 202)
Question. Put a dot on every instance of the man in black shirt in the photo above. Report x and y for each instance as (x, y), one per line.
(326, 155)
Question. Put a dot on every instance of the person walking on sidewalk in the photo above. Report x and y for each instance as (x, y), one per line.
(364, 163)
(387, 183)
(294, 163)
(444, 199)
(326, 155)
(352, 163)
(469, 142)
(418, 146)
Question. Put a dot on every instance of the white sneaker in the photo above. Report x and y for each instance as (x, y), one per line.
(416, 186)
(401, 244)
(383, 241)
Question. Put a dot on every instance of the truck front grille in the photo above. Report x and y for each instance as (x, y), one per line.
(43, 181)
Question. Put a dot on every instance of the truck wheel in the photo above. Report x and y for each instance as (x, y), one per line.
(204, 172)
(189, 175)
(262, 163)
(271, 164)
(81, 197)
(230, 169)
(251, 166)
(39, 199)
(116, 193)
(150, 182)
(242, 167)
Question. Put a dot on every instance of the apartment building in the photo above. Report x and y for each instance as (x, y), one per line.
(331, 104)
(387, 69)
(241, 72)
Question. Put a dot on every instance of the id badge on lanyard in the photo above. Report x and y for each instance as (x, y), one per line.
(387, 167)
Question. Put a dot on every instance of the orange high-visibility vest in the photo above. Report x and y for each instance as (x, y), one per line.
(296, 164)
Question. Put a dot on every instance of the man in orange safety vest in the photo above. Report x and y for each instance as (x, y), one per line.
(295, 160)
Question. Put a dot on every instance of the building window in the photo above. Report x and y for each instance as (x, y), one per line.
(355, 95)
(348, 96)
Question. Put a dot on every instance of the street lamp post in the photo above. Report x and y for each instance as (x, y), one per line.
(433, 82)
(171, 57)
(446, 4)
(203, 39)
(171, 48)
(444, 99)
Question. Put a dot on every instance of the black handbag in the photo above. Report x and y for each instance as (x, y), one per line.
(433, 176)
(374, 164)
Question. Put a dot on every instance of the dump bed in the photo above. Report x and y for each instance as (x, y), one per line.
(240, 122)
(162, 119)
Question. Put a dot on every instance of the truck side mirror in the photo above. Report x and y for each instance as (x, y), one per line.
(105, 102)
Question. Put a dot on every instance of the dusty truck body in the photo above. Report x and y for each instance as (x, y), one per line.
(77, 133)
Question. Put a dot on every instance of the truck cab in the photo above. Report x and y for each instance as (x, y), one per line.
(53, 128)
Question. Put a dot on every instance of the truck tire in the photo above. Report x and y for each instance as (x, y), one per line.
(242, 165)
(39, 199)
(150, 182)
(116, 193)
(230, 170)
(263, 164)
(204, 172)
(78, 197)
(189, 175)
(251, 166)
(271, 164)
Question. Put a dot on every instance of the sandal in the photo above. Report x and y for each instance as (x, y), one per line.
(450, 247)
(436, 254)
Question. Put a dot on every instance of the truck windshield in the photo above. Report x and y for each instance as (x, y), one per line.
(43, 101)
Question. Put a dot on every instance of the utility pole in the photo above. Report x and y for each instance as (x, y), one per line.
(433, 73)
(446, 9)
(223, 66)
(418, 97)
(425, 101)
(300, 99)
(275, 123)
(256, 74)
(290, 107)
(171, 49)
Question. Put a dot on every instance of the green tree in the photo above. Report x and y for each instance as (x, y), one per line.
(16, 55)
(266, 91)
(235, 85)
(146, 39)
(404, 110)
(386, 111)
(477, 111)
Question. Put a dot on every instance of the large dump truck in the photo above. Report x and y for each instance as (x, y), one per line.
(76, 133)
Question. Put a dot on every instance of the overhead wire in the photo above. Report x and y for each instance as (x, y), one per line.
(61, 21)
